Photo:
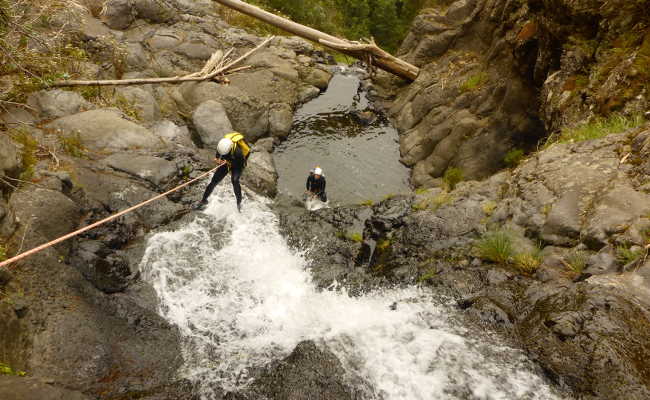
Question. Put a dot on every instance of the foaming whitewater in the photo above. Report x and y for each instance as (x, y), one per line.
(242, 298)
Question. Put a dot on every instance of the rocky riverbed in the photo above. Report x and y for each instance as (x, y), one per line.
(549, 256)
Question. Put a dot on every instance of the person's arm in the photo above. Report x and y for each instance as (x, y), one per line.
(308, 184)
(324, 184)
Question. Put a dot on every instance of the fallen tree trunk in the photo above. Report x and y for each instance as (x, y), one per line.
(378, 57)
(217, 66)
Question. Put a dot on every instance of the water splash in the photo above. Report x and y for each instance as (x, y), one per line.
(242, 298)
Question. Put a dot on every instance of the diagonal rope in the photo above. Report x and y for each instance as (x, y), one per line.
(103, 221)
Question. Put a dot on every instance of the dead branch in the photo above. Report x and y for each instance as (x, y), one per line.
(217, 66)
(378, 57)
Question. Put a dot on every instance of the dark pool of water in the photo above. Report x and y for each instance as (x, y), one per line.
(359, 160)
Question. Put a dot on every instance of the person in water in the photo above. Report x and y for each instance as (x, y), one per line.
(232, 154)
(316, 184)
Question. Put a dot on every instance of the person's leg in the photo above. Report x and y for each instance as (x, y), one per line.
(216, 178)
(235, 174)
(323, 197)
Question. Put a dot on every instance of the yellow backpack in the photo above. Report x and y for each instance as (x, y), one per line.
(238, 139)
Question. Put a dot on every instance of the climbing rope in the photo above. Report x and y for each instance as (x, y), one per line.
(103, 221)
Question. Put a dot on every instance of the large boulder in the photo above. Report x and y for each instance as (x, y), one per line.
(106, 129)
(280, 120)
(153, 169)
(211, 122)
(48, 212)
(108, 271)
(155, 11)
(172, 133)
(118, 14)
(143, 102)
(260, 174)
(309, 372)
(317, 77)
(51, 104)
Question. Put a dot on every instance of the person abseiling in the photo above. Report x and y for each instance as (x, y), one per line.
(233, 152)
(316, 184)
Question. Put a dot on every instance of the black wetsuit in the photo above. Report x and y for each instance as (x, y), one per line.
(236, 165)
(317, 186)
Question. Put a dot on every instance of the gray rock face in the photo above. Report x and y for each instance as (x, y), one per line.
(280, 120)
(106, 130)
(153, 169)
(155, 11)
(211, 122)
(260, 174)
(48, 212)
(307, 93)
(170, 132)
(309, 372)
(108, 271)
(143, 102)
(118, 14)
(10, 159)
(22, 388)
(317, 77)
(51, 104)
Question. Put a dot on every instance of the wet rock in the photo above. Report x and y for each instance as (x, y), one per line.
(211, 122)
(153, 169)
(108, 271)
(318, 78)
(106, 129)
(22, 388)
(118, 14)
(260, 173)
(309, 372)
(52, 104)
(307, 93)
(280, 120)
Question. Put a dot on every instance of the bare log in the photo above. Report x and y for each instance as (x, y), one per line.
(379, 57)
(213, 68)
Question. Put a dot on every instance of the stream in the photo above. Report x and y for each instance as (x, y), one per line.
(242, 298)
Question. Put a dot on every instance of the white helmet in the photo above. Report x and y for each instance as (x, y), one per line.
(318, 171)
(224, 146)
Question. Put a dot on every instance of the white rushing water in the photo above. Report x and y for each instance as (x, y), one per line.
(242, 298)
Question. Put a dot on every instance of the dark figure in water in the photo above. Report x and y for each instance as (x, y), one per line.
(316, 184)
(232, 151)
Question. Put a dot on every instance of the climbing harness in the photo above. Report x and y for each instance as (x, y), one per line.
(103, 221)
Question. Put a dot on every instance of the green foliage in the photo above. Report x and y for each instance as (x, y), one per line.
(126, 107)
(625, 255)
(496, 246)
(367, 203)
(90, 92)
(598, 128)
(3, 252)
(474, 82)
(28, 152)
(421, 190)
(452, 177)
(576, 261)
(383, 244)
(488, 207)
(7, 370)
(429, 274)
(354, 237)
(528, 262)
(513, 158)
(433, 203)
(387, 21)
(72, 145)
